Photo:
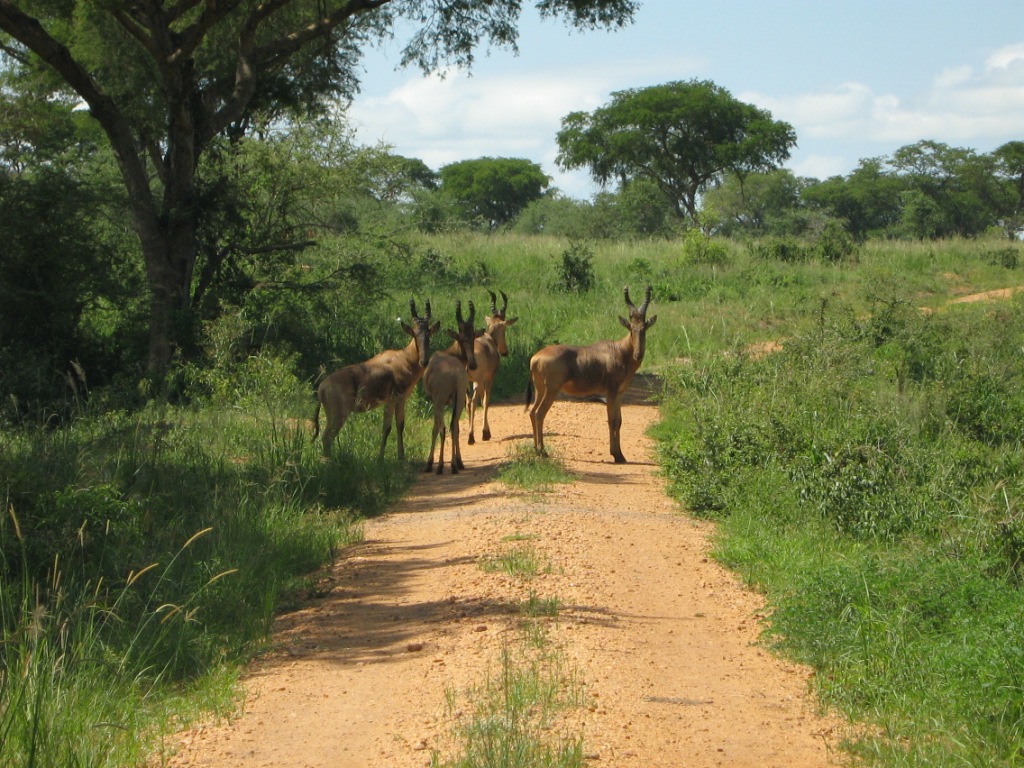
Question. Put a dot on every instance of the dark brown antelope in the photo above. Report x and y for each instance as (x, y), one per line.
(446, 382)
(386, 379)
(490, 348)
(605, 368)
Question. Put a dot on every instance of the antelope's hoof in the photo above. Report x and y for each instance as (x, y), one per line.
(428, 468)
(487, 434)
(472, 440)
(440, 469)
(620, 459)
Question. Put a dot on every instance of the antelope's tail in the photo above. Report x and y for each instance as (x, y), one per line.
(529, 392)
(316, 420)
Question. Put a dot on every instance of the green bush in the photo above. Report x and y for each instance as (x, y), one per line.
(576, 272)
(880, 511)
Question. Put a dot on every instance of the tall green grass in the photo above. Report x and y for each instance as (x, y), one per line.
(869, 478)
(144, 555)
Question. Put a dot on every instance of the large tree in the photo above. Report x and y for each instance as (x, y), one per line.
(948, 191)
(1010, 169)
(166, 78)
(493, 190)
(680, 135)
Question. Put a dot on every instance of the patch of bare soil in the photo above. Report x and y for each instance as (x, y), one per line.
(664, 640)
(999, 293)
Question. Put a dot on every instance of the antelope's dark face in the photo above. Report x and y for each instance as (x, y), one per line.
(638, 323)
(466, 336)
(496, 329)
(421, 330)
(497, 322)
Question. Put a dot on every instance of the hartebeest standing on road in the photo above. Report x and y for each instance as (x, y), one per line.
(385, 379)
(605, 368)
(446, 382)
(490, 348)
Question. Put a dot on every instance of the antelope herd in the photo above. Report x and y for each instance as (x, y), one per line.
(462, 375)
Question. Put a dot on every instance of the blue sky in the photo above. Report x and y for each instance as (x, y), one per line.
(855, 79)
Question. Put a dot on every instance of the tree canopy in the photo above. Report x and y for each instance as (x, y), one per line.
(493, 189)
(168, 81)
(680, 135)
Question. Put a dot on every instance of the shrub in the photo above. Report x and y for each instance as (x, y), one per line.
(698, 248)
(576, 272)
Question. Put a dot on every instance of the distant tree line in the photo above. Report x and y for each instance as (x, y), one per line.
(288, 217)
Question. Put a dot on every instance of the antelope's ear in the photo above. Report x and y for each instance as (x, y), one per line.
(651, 321)
(451, 333)
(478, 334)
(434, 328)
(407, 328)
(511, 321)
(624, 322)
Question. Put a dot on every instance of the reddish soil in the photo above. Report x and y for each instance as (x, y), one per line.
(664, 640)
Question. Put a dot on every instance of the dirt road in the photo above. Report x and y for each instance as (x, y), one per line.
(663, 640)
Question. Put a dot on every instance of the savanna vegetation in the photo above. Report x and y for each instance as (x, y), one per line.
(191, 241)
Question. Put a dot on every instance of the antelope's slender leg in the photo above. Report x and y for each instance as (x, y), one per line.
(485, 401)
(456, 450)
(541, 406)
(400, 425)
(614, 427)
(471, 400)
(440, 456)
(433, 443)
(389, 413)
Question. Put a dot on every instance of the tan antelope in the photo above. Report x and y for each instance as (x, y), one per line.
(446, 382)
(386, 379)
(490, 348)
(605, 368)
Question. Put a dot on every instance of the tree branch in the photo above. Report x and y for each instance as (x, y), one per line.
(31, 33)
(254, 61)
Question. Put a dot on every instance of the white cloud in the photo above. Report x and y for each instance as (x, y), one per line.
(961, 107)
(1006, 57)
(514, 111)
(460, 117)
(953, 76)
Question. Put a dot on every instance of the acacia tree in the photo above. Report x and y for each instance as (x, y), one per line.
(680, 135)
(493, 189)
(947, 190)
(166, 78)
(1010, 168)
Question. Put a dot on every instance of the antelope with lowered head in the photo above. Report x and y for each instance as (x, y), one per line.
(605, 368)
(490, 348)
(386, 379)
(446, 382)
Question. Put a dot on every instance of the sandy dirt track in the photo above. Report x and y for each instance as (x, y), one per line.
(664, 640)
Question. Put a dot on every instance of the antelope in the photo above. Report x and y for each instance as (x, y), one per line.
(605, 368)
(446, 382)
(386, 379)
(489, 348)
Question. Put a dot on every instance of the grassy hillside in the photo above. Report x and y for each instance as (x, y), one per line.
(867, 476)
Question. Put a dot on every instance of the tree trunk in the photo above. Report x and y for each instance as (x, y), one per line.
(170, 253)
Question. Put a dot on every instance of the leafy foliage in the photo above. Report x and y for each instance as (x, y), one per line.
(681, 136)
(856, 480)
(493, 190)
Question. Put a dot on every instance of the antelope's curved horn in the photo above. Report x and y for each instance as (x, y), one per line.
(458, 311)
(647, 300)
(427, 318)
(494, 303)
(412, 308)
(629, 303)
(504, 304)
(472, 312)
